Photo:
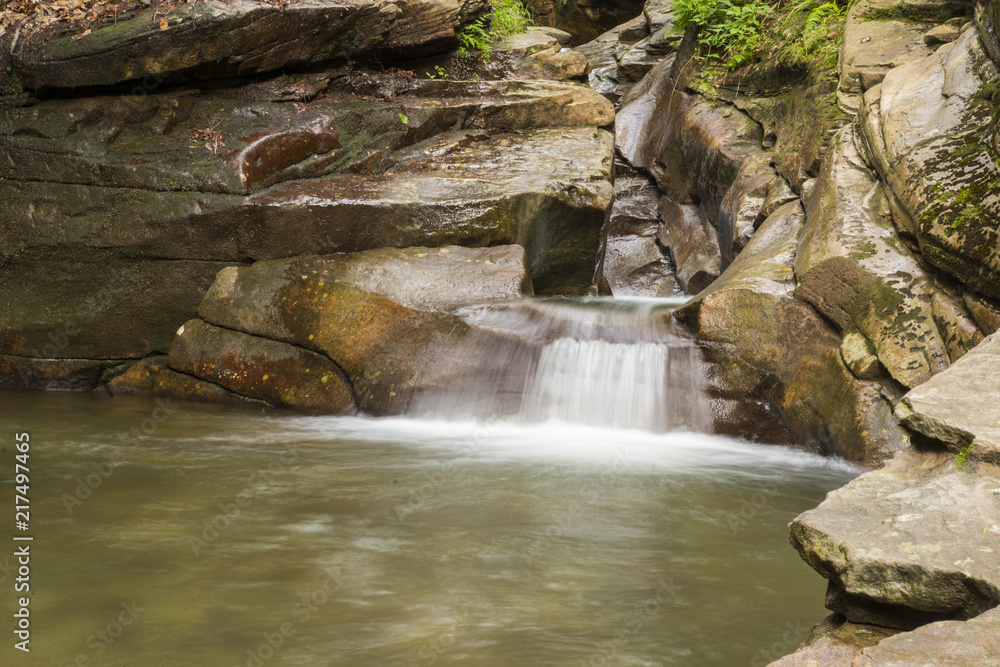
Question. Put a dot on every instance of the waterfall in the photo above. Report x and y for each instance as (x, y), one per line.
(595, 361)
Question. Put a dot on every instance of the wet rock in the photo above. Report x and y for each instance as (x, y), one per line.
(392, 354)
(941, 34)
(942, 644)
(910, 544)
(637, 61)
(988, 23)
(259, 37)
(548, 190)
(560, 36)
(153, 377)
(776, 373)
(929, 136)
(742, 207)
(231, 141)
(835, 643)
(633, 263)
(961, 406)
(853, 268)
(692, 242)
(255, 367)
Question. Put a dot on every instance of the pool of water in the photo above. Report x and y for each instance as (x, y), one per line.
(183, 534)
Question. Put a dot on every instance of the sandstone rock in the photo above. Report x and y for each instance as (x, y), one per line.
(585, 19)
(988, 23)
(776, 374)
(986, 314)
(959, 331)
(637, 61)
(560, 36)
(961, 407)
(548, 190)
(852, 267)
(692, 243)
(391, 353)
(632, 263)
(928, 135)
(255, 367)
(836, 645)
(943, 644)
(260, 37)
(941, 34)
(21, 373)
(859, 356)
(153, 377)
(741, 207)
(909, 544)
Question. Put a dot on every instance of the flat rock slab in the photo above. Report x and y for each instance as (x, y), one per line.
(973, 643)
(961, 406)
(835, 645)
(216, 39)
(907, 545)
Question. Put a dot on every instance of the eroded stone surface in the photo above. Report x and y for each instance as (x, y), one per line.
(972, 643)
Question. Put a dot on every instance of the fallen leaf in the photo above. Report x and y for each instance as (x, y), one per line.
(163, 24)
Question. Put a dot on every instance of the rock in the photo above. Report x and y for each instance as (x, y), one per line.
(549, 189)
(835, 643)
(859, 355)
(871, 45)
(988, 23)
(255, 367)
(942, 34)
(853, 268)
(942, 644)
(742, 206)
(560, 36)
(584, 19)
(961, 406)
(392, 354)
(692, 243)
(632, 263)
(637, 61)
(153, 377)
(260, 37)
(910, 544)
(986, 314)
(528, 42)
(21, 373)
(775, 370)
(928, 135)
(634, 30)
(566, 64)
(959, 331)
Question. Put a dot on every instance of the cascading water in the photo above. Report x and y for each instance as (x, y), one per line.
(595, 361)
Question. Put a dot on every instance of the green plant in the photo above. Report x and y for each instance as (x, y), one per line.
(403, 119)
(507, 17)
(476, 38)
(963, 455)
(439, 73)
(731, 29)
(812, 30)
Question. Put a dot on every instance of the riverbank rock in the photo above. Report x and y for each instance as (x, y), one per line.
(153, 377)
(943, 644)
(584, 19)
(853, 268)
(775, 368)
(910, 544)
(214, 39)
(928, 133)
(961, 406)
(835, 642)
(353, 310)
(268, 370)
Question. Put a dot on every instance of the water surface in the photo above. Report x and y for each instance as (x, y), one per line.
(354, 541)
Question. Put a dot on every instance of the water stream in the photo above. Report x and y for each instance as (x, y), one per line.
(584, 529)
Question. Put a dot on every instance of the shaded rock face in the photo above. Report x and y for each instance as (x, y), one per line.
(336, 306)
(907, 545)
(835, 642)
(961, 407)
(140, 207)
(585, 19)
(928, 131)
(214, 39)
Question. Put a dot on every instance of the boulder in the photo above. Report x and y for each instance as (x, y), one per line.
(393, 354)
(941, 34)
(692, 242)
(215, 39)
(584, 19)
(942, 644)
(988, 23)
(263, 369)
(961, 406)
(910, 544)
(927, 131)
(775, 369)
(853, 268)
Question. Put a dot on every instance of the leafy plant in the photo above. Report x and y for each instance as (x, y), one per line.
(404, 119)
(731, 29)
(508, 17)
(814, 37)
(439, 73)
(477, 38)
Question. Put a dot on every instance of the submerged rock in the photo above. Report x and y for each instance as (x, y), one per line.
(913, 543)
(961, 406)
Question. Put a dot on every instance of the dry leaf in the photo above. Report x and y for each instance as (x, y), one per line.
(163, 24)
